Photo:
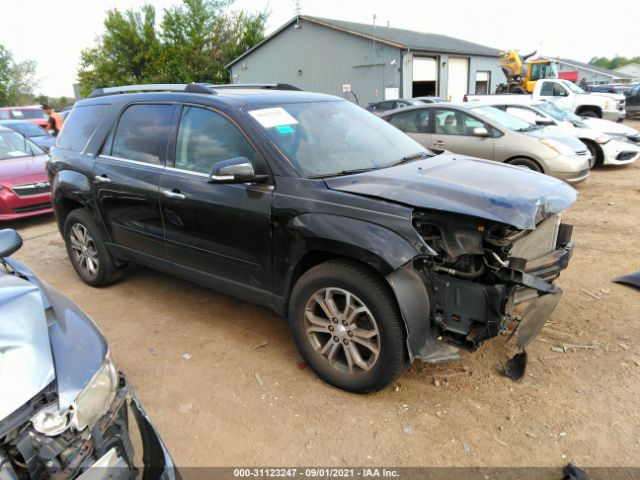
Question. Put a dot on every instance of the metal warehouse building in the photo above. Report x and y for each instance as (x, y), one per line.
(368, 63)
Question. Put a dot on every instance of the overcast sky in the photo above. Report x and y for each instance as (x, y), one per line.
(52, 32)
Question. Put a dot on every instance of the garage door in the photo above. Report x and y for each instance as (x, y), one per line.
(425, 76)
(458, 78)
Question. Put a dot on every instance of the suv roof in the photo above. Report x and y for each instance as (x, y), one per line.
(243, 94)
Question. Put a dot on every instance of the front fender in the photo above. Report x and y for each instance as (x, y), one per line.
(383, 243)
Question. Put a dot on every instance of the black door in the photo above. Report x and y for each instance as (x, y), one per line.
(127, 178)
(219, 234)
(633, 102)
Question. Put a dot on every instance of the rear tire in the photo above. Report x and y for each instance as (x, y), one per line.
(527, 163)
(347, 326)
(85, 246)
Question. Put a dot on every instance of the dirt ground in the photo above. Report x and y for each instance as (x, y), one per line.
(243, 398)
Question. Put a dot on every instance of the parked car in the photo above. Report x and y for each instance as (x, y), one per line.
(605, 149)
(36, 134)
(431, 99)
(315, 208)
(569, 97)
(64, 406)
(34, 114)
(385, 105)
(612, 88)
(486, 132)
(24, 185)
(633, 101)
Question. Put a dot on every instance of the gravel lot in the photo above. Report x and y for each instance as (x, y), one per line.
(243, 398)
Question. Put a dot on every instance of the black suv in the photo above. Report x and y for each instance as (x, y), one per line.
(378, 251)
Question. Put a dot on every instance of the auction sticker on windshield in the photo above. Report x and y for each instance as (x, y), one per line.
(273, 117)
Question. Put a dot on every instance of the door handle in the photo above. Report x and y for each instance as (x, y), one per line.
(102, 178)
(174, 194)
(438, 143)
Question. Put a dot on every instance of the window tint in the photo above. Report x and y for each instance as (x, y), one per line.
(206, 138)
(4, 114)
(415, 121)
(453, 122)
(547, 89)
(142, 133)
(79, 126)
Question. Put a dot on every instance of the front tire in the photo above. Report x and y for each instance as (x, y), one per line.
(347, 326)
(527, 163)
(589, 114)
(85, 246)
(596, 154)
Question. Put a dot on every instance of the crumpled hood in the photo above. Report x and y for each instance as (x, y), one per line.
(26, 361)
(465, 185)
(608, 126)
(43, 337)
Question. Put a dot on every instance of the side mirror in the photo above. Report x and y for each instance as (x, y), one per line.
(10, 242)
(480, 132)
(544, 121)
(235, 170)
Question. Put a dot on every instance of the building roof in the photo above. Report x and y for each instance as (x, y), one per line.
(396, 37)
(629, 69)
(588, 66)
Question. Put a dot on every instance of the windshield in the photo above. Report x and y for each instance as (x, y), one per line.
(29, 113)
(552, 110)
(27, 128)
(502, 118)
(14, 145)
(327, 138)
(573, 87)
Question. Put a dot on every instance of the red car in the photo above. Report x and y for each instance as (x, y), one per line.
(24, 186)
(33, 114)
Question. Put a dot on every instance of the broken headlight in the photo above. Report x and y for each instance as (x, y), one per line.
(91, 404)
(94, 400)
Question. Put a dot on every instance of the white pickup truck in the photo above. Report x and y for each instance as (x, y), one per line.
(569, 97)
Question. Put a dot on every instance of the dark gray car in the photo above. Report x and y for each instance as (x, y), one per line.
(36, 134)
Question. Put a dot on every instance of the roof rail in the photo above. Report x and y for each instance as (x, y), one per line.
(158, 87)
(261, 86)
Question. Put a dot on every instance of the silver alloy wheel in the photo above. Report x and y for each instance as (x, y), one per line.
(84, 249)
(342, 329)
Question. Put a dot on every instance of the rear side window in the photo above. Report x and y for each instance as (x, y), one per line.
(29, 113)
(142, 133)
(79, 126)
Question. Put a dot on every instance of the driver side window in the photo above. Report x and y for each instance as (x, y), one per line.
(206, 138)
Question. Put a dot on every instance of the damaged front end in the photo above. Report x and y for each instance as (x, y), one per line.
(36, 442)
(483, 274)
(64, 408)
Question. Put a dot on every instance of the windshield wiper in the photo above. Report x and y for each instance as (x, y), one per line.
(530, 128)
(409, 158)
(344, 172)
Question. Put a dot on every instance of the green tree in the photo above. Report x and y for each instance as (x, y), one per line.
(614, 62)
(125, 54)
(193, 43)
(6, 61)
(17, 80)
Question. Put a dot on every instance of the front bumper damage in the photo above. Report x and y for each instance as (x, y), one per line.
(464, 313)
(106, 452)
